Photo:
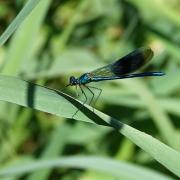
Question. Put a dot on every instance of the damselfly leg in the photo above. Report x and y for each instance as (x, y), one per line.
(82, 91)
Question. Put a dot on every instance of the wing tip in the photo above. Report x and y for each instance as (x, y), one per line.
(147, 52)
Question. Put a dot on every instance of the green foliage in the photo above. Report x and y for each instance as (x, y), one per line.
(56, 39)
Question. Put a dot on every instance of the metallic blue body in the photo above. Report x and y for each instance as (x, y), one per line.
(84, 79)
(96, 79)
(120, 69)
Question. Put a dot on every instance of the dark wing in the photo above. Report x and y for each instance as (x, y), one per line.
(124, 65)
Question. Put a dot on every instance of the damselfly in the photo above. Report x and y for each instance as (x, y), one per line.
(119, 69)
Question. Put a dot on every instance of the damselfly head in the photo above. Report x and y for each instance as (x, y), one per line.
(73, 81)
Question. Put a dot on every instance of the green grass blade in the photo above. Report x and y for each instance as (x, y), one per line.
(27, 94)
(22, 45)
(160, 117)
(159, 10)
(115, 168)
(53, 149)
(29, 6)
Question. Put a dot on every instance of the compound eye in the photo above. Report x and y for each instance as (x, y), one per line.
(72, 80)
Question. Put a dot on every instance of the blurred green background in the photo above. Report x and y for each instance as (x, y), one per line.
(70, 37)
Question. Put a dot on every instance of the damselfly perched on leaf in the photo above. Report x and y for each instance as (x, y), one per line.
(120, 69)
